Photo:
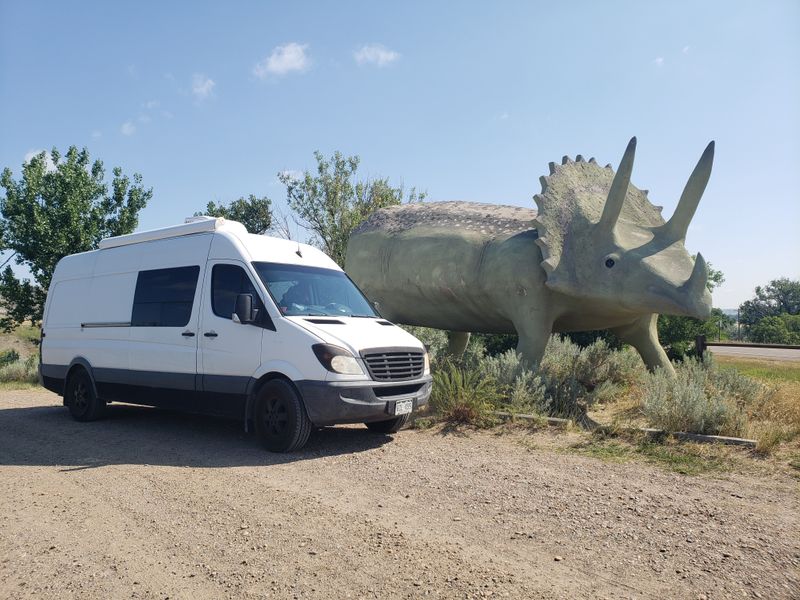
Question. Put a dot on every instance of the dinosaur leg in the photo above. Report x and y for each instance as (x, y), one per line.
(533, 337)
(457, 342)
(643, 335)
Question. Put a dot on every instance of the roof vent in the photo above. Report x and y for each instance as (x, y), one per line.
(198, 218)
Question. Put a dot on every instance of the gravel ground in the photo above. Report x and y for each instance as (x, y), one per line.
(152, 504)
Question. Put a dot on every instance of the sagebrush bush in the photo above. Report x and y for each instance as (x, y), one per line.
(701, 398)
(569, 379)
(520, 390)
(21, 371)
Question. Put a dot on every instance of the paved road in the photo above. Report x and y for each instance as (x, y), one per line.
(781, 354)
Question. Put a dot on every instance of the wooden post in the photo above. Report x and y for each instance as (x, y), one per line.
(700, 346)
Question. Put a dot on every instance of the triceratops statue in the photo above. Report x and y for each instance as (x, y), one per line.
(596, 255)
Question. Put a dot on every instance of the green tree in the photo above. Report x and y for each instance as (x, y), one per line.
(777, 297)
(253, 212)
(781, 329)
(52, 212)
(331, 203)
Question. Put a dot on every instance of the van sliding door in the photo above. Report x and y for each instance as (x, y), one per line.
(163, 351)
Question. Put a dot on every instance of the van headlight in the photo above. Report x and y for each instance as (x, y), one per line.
(337, 360)
(426, 369)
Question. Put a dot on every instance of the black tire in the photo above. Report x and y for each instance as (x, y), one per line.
(281, 421)
(80, 398)
(390, 426)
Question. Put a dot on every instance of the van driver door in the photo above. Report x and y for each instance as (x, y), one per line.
(229, 352)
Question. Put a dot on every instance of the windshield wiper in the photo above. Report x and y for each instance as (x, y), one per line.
(364, 317)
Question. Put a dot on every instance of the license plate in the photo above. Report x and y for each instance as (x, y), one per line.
(403, 407)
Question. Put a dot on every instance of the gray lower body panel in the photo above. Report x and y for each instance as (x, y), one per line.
(334, 402)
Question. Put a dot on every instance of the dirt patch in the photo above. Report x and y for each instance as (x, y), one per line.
(152, 504)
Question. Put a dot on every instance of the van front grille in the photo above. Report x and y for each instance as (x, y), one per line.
(394, 365)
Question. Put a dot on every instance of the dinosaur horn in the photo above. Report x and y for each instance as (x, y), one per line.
(696, 284)
(619, 188)
(675, 228)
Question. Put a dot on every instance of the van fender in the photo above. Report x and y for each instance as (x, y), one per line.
(81, 361)
(274, 369)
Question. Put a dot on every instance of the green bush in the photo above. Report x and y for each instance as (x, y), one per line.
(8, 356)
(701, 398)
(463, 396)
(434, 340)
(20, 371)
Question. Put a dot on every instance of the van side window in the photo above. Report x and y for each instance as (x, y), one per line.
(227, 282)
(164, 297)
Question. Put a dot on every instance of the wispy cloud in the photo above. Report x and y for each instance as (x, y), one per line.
(202, 86)
(128, 128)
(375, 54)
(659, 61)
(97, 134)
(288, 58)
(686, 49)
(150, 104)
(48, 160)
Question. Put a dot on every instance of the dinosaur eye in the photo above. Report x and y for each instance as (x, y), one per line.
(610, 262)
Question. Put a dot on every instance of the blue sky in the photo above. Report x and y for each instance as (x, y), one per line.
(469, 101)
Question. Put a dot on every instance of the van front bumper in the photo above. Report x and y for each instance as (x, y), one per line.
(335, 402)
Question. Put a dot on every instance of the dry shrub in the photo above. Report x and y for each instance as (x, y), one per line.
(21, 371)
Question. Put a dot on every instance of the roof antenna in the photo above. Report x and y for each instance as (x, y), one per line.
(300, 254)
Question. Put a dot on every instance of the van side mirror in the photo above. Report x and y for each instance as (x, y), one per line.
(243, 310)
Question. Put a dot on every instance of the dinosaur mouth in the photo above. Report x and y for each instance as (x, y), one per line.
(676, 302)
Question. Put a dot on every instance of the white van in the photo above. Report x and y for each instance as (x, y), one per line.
(208, 318)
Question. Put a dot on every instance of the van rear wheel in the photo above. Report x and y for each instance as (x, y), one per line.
(281, 421)
(80, 398)
(390, 426)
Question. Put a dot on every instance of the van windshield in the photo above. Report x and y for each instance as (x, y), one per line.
(312, 291)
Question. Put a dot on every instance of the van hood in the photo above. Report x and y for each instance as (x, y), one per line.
(357, 334)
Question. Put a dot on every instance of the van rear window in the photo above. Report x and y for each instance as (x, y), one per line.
(164, 297)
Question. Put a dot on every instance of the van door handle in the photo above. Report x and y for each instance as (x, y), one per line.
(210, 334)
(188, 334)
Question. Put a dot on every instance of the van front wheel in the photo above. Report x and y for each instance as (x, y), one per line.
(79, 396)
(280, 417)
